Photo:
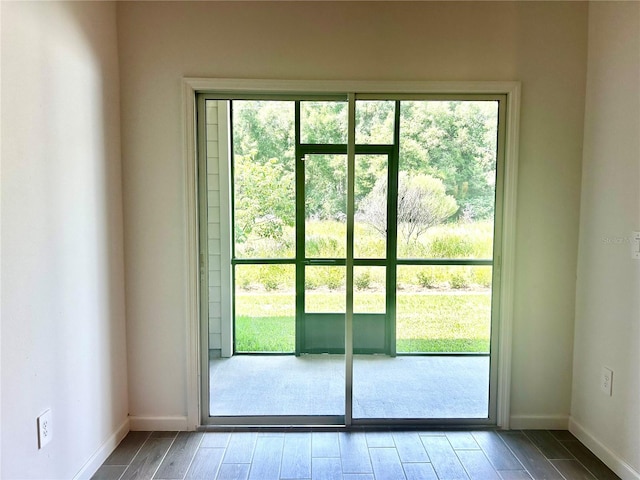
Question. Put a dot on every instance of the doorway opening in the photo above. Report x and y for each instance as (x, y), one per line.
(425, 224)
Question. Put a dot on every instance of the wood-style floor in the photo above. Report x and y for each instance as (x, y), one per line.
(354, 455)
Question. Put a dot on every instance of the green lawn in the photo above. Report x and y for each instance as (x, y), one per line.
(434, 322)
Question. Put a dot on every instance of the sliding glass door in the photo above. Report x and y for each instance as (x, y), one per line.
(393, 326)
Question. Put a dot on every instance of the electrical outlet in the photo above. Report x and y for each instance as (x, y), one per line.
(606, 381)
(45, 429)
(635, 245)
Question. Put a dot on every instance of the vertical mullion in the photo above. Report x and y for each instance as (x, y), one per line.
(232, 206)
(392, 232)
(300, 234)
(348, 334)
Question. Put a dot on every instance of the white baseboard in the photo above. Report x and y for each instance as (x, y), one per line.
(97, 459)
(162, 424)
(613, 461)
(539, 422)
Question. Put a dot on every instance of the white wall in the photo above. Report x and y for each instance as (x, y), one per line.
(542, 44)
(608, 287)
(63, 330)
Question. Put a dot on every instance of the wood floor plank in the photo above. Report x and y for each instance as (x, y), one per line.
(477, 465)
(443, 458)
(215, 439)
(410, 447)
(129, 446)
(267, 455)
(419, 471)
(386, 464)
(147, 460)
(462, 441)
(179, 457)
(358, 476)
(533, 460)
(233, 471)
(325, 445)
(240, 447)
(109, 472)
(548, 445)
(514, 475)
(562, 435)
(572, 470)
(163, 434)
(206, 464)
(296, 456)
(326, 469)
(379, 439)
(590, 461)
(496, 451)
(354, 453)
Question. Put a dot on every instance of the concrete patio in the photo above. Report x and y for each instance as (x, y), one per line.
(427, 387)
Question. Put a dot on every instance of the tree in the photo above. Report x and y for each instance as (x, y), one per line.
(422, 203)
(264, 198)
(454, 141)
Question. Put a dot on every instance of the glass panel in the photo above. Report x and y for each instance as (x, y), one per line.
(325, 206)
(323, 122)
(370, 232)
(265, 308)
(439, 309)
(263, 139)
(325, 289)
(369, 294)
(446, 184)
(247, 385)
(443, 309)
(374, 122)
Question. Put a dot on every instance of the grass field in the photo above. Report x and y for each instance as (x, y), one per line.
(426, 322)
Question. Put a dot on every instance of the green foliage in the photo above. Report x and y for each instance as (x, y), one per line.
(422, 203)
(362, 281)
(425, 323)
(482, 276)
(327, 240)
(451, 245)
(265, 334)
(271, 276)
(426, 278)
(453, 141)
(459, 280)
(264, 199)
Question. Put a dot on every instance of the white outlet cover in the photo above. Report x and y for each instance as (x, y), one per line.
(606, 381)
(635, 245)
(45, 428)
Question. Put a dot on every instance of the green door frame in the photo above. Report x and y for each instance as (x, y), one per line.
(392, 152)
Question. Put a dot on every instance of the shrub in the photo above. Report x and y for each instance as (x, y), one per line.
(458, 280)
(362, 281)
(426, 278)
(271, 276)
(334, 278)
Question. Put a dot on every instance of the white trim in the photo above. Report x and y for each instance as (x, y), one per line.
(226, 85)
(600, 450)
(224, 182)
(508, 257)
(92, 465)
(160, 424)
(539, 422)
(233, 85)
(192, 313)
